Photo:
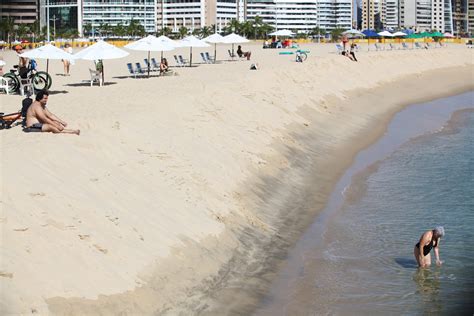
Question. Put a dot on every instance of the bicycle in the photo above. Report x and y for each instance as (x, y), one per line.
(41, 80)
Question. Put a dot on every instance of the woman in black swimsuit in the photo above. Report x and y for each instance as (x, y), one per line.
(429, 240)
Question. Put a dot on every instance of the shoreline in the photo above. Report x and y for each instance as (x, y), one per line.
(198, 256)
(294, 292)
(223, 293)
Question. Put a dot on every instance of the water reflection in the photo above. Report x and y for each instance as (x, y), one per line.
(428, 282)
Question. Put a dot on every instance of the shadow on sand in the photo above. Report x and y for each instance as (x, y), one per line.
(87, 83)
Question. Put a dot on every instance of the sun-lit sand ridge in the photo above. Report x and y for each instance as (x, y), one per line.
(177, 185)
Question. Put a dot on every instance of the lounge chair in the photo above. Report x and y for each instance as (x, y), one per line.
(417, 45)
(152, 67)
(96, 76)
(339, 49)
(155, 64)
(405, 45)
(392, 47)
(209, 57)
(178, 62)
(204, 59)
(139, 68)
(182, 60)
(378, 47)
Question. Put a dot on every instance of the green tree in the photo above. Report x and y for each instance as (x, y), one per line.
(87, 29)
(183, 31)
(166, 31)
(234, 26)
(22, 31)
(336, 34)
(206, 31)
(7, 27)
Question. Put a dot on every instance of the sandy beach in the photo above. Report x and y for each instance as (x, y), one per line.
(182, 193)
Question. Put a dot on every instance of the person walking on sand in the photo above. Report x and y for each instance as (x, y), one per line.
(67, 62)
(40, 119)
(429, 240)
(352, 51)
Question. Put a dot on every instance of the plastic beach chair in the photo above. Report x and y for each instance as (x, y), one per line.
(378, 47)
(139, 68)
(182, 60)
(152, 67)
(4, 84)
(209, 57)
(155, 64)
(405, 46)
(339, 49)
(96, 76)
(204, 58)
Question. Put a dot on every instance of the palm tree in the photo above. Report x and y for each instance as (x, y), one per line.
(7, 26)
(87, 29)
(206, 31)
(166, 31)
(336, 34)
(233, 26)
(22, 30)
(183, 31)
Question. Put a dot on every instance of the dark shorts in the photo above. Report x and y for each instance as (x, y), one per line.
(37, 127)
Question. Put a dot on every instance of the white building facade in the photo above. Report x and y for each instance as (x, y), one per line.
(426, 15)
(115, 12)
(302, 15)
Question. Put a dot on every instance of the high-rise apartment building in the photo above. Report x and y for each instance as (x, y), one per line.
(194, 14)
(61, 14)
(302, 15)
(460, 16)
(21, 11)
(426, 15)
(470, 14)
(371, 14)
(390, 14)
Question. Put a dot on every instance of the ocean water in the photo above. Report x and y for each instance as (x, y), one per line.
(357, 258)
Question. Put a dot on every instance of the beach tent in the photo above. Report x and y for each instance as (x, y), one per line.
(149, 44)
(234, 39)
(370, 33)
(437, 34)
(47, 52)
(101, 51)
(192, 41)
(214, 39)
(282, 33)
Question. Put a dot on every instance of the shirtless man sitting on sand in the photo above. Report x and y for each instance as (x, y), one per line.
(39, 118)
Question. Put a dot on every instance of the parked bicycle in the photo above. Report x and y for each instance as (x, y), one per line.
(41, 80)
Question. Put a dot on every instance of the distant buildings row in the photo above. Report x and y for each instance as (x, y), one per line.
(455, 16)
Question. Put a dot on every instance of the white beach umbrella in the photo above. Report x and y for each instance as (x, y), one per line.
(399, 34)
(148, 44)
(282, 33)
(234, 39)
(385, 34)
(47, 52)
(192, 41)
(168, 41)
(214, 39)
(101, 50)
(448, 35)
(353, 32)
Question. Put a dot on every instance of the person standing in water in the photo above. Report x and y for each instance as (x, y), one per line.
(429, 240)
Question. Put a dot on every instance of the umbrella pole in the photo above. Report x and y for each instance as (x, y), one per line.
(215, 52)
(103, 80)
(232, 51)
(190, 56)
(148, 63)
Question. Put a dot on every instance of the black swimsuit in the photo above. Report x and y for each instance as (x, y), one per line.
(427, 248)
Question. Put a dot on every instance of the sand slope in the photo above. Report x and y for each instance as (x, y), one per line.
(162, 196)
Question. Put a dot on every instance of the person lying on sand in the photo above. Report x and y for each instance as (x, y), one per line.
(40, 119)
